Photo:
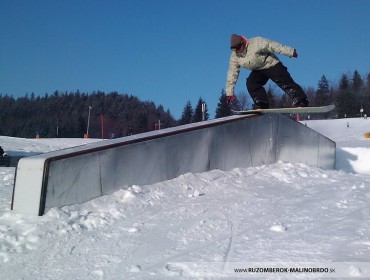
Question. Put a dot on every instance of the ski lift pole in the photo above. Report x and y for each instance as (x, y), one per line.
(203, 111)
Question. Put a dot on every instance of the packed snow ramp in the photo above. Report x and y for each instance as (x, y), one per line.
(79, 174)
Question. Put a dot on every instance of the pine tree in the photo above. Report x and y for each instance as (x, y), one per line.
(222, 110)
(187, 114)
(367, 87)
(332, 95)
(322, 92)
(367, 95)
(358, 88)
(357, 83)
(344, 97)
(198, 112)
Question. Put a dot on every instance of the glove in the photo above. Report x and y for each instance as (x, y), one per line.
(230, 98)
(295, 55)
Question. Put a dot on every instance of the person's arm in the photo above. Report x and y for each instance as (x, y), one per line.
(232, 75)
(270, 46)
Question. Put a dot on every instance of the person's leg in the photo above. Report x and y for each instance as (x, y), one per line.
(280, 75)
(255, 83)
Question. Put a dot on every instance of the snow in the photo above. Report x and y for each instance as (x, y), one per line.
(353, 151)
(284, 212)
(27, 147)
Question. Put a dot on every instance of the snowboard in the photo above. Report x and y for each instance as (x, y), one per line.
(296, 110)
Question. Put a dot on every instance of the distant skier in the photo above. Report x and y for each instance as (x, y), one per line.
(1, 152)
(258, 55)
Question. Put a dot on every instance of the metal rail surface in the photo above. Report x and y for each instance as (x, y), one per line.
(76, 175)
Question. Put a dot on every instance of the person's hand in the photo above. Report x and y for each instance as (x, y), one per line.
(229, 99)
(295, 55)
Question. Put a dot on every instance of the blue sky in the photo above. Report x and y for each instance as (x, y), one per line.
(171, 51)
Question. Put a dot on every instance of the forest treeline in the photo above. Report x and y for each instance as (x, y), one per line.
(67, 115)
(108, 115)
(350, 95)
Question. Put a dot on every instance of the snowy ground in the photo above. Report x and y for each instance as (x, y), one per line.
(279, 213)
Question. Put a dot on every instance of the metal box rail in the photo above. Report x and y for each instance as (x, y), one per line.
(79, 174)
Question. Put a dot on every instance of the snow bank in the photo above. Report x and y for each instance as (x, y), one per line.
(26, 147)
(281, 212)
(353, 149)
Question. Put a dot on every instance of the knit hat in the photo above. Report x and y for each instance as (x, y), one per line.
(235, 41)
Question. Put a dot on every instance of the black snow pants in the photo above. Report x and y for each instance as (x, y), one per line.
(278, 74)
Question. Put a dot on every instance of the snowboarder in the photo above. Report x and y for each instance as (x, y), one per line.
(1, 152)
(258, 55)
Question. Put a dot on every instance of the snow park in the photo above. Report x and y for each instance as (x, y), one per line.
(296, 206)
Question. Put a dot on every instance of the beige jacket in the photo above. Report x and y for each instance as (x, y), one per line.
(257, 55)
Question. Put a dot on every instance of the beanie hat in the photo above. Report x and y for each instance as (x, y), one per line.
(235, 41)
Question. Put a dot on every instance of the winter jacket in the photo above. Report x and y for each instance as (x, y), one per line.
(257, 55)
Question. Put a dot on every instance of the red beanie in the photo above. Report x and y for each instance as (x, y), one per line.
(235, 41)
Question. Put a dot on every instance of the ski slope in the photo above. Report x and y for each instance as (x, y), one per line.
(281, 213)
